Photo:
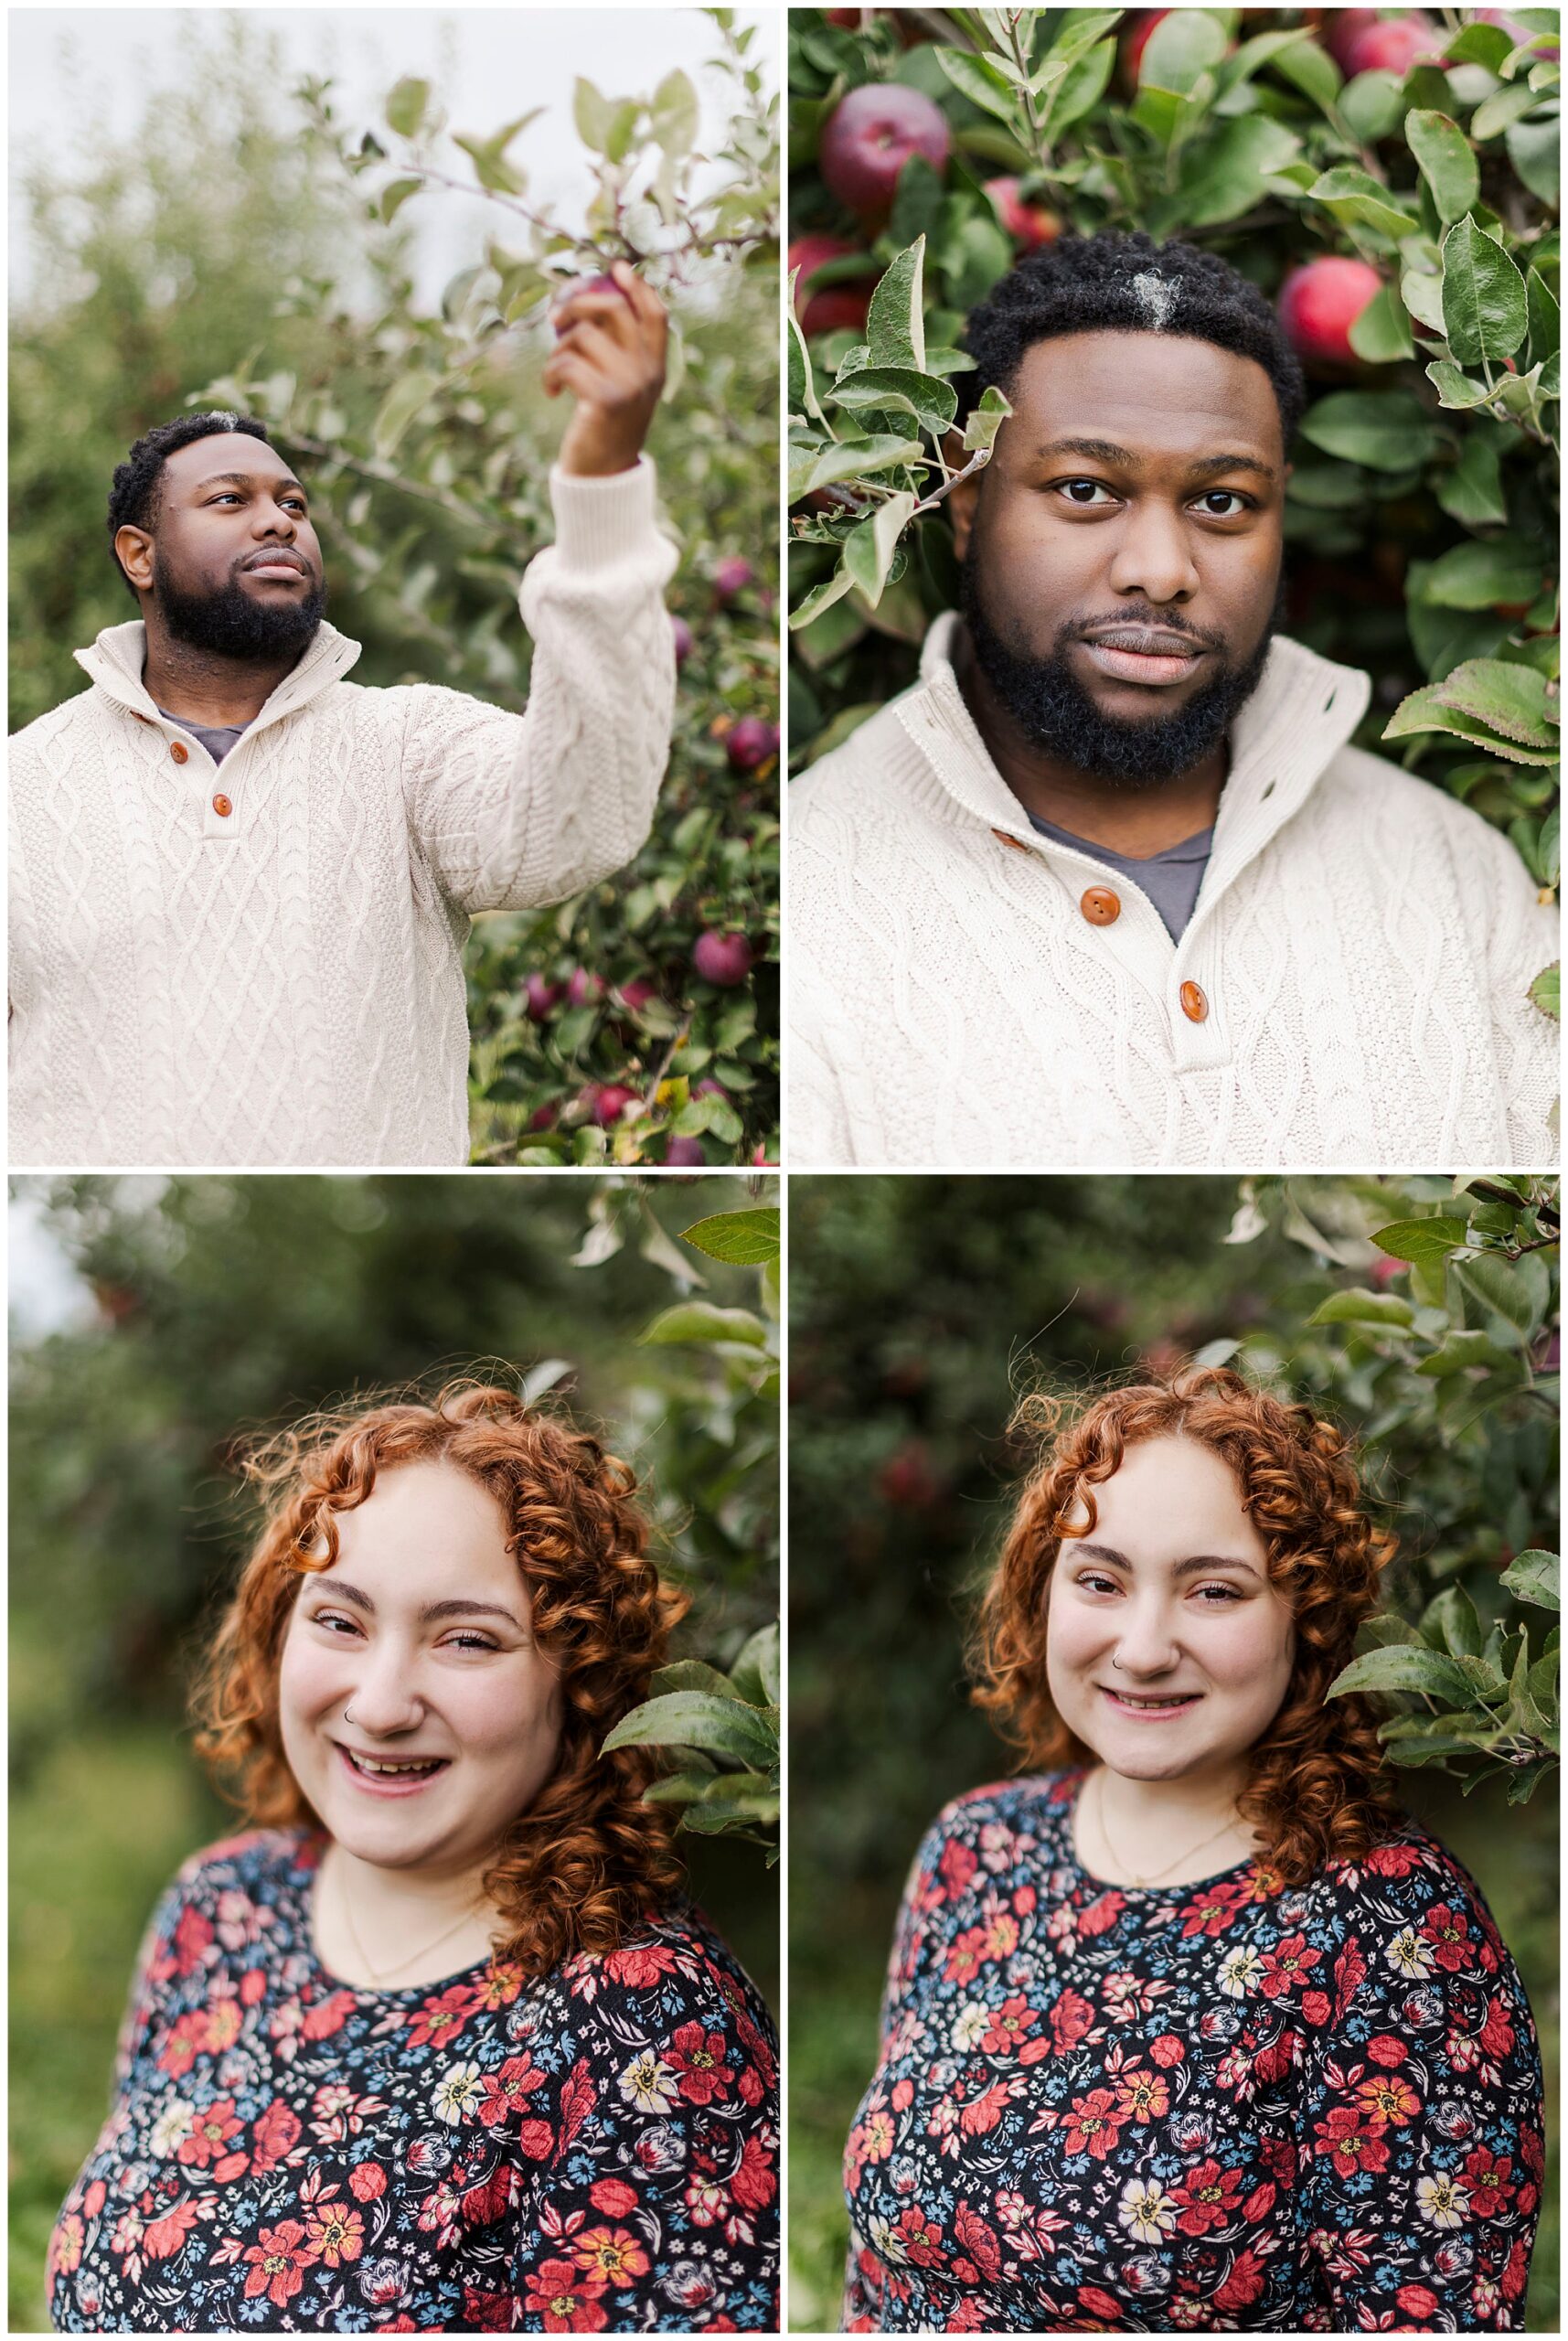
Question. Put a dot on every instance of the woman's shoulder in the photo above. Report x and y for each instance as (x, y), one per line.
(1037, 1805)
(1409, 1882)
(255, 1861)
(677, 1969)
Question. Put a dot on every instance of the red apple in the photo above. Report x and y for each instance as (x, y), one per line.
(583, 989)
(542, 1117)
(638, 992)
(835, 308)
(1392, 45)
(541, 997)
(610, 1102)
(723, 959)
(709, 1089)
(907, 1480)
(870, 136)
(684, 639)
(1028, 224)
(1320, 302)
(732, 576)
(1337, 27)
(685, 1151)
(751, 743)
(760, 1157)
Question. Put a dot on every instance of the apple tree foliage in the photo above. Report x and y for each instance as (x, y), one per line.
(596, 1037)
(1421, 519)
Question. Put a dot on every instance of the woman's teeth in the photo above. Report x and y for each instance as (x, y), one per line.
(365, 1763)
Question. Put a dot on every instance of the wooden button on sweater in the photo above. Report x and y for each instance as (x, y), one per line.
(222, 807)
(1003, 838)
(1193, 1004)
(179, 751)
(1100, 906)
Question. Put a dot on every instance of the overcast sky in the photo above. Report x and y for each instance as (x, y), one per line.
(81, 79)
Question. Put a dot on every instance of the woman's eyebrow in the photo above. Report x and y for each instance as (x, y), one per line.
(340, 1588)
(1194, 1563)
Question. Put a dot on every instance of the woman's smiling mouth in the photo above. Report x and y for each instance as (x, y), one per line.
(1149, 1708)
(391, 1776)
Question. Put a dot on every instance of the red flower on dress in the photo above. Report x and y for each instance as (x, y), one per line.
(210, 2137)
(611, 2255)
(1488, 2181)
(918, 2239)
(1285, 1966)
(1388, 2097)
(696, 2060)
(1097, 1918)
(508, 2090)
(957, 1867)
(978, 2240)
(564, 2299)
(275, 2134)
(1212, 1911)
(641, 1964)
(1445, 1930)
(965, 1957)
(753, 2182)
(1094, 2125)
(1010, 2024)
(1208, 2196)
(437, 2021)
(1352, 2140)
(1418, 2300)
(335, 2233)
(1071, 2017)
(1243, 2283)
(277, 2264)
(367, 2182)
(614, 2198)
(166, 2236)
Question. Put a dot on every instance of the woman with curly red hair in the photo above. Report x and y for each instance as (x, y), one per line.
(1190, 2028)
(435, 2045)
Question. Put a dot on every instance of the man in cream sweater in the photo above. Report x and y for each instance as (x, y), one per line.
(1107, 888)
(240, 885)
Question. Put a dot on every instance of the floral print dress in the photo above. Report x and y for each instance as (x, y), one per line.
(595, 2150)
(1231, 2106)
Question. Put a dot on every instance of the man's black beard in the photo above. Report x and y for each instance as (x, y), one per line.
(1054, 710)
(233, 623)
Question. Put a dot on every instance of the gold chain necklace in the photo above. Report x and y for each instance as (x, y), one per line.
(1155, 1876)
(379, 1976)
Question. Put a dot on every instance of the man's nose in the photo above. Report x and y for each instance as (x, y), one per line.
(1154, 555)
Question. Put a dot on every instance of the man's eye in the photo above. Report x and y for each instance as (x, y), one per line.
(1072, 488)
(1224, 496)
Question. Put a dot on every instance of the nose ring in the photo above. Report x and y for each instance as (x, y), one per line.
(348, 1711)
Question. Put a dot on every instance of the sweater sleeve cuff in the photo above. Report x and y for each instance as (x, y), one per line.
(602, 522)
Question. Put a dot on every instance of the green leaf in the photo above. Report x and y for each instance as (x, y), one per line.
(821, 598)
(986, 420)
(899, 390)
(1424, 711)
(1184, 44)
(1479, 576)
(1445, 160)
(1082, 88)
(980, 83)
(1381, 334)
(1545, 331)
(679, 1788)
(674, 115)
(696, 1719)
(394, 195)
(1534, 1577)
(692, 1675)
(1506, 697)
(1405, 1666)
(1472, 492)
(803, 397)
(1357, 200)
(408, 395)
(1425, 1243)
(747, 1239)
(1311, 69)
(1546, 991)
(701, 1321)
(407, 106)
(869, 549)
(1460, 1350)
(1513, 1294)
(1451, 1624)
(1373, 104)
(1421, 290)
(1484, 312)
(594, 116)
(759, 1662)
(1455, 388)
(895, 326)
(1360, 1307)
(1500, 111)
(1486, 45)
(815, 468)
(1221, 173)
(1534, 150)
(1389, 431)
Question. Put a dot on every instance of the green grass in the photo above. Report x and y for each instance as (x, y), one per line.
(97, 1826)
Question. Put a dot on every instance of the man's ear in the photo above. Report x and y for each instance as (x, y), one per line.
(963, 501)
(134, 548)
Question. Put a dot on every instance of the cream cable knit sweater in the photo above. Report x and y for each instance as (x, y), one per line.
(1363, 944)
(283, 982)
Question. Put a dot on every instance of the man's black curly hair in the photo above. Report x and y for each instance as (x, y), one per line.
(133, 496)
(1122, 281)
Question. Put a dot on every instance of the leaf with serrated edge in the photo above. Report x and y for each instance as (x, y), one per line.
(747, 1239)
(1506, 697)
(895, 323)
(1484, 312)
(1446, 163)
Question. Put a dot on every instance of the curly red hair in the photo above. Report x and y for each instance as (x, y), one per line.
(588, 1861)
(1315, 1790)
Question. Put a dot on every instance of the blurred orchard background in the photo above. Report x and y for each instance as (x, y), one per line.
(1388, 179)
(153, 1321)
(1422, 1314)
(355, 228)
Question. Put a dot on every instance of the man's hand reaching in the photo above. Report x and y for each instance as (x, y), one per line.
(610, 354)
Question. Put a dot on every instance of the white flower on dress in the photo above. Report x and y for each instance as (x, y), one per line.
(1239, 1971)
(649, 2084)
(457, 2094)
(1406, 1955)
(1442, 2199)
(972, 2021)
(172, 2128)
(1145, 2210)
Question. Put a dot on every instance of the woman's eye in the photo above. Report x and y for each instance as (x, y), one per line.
(1223, 1595)
(1098, 1584)
(471, 1641)
(330, 1618)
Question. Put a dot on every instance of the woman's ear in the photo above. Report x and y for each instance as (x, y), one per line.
(962, 502)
